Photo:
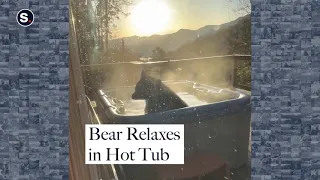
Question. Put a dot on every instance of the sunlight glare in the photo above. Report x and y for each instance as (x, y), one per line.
(149, 17)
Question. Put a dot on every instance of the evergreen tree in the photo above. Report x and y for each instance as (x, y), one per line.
(158, 54)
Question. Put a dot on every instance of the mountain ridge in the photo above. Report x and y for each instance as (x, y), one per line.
(143, 45)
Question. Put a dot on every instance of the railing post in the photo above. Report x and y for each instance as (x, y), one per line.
(234, 76)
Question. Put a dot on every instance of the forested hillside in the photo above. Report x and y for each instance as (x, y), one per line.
(235, 39)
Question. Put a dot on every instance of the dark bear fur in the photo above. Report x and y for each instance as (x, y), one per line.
(158, 96)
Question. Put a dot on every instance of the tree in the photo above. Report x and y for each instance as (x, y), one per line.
(92, 22)
(107, 12)
(158, 54)
(122, 54)
(243, 6)
(239, 39)
(96, 20)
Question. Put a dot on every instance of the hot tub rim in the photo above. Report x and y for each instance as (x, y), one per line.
(227, 106)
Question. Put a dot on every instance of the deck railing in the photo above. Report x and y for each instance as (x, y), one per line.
(228, 70)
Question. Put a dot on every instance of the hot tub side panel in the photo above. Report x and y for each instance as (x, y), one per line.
(227, 136)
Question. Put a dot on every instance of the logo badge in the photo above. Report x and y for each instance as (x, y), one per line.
(25, 17)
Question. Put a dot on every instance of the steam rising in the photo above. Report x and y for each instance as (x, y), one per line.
(211, 71)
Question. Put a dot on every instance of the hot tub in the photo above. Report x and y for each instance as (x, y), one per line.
(217, 121)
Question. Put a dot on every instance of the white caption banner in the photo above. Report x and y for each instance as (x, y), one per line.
(134, 144)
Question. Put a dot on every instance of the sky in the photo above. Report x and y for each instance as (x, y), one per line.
(148, 17)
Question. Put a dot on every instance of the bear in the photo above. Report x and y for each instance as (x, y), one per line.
(158, 96)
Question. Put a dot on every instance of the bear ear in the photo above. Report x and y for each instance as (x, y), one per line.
(143, 74)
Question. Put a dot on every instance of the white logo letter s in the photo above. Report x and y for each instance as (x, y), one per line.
(24, 17)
